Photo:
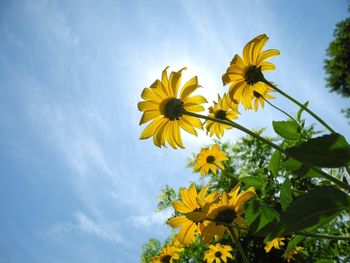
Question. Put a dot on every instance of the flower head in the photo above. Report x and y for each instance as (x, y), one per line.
(228, 210)
(209, 159)
(165, 108)
(274, 243)
(167, 254)
(218, 253)
(290, 255)
(245, 73)
(261, 97)
(224, 109)
(191, 202)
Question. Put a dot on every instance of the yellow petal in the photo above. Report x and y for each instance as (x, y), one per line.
(194, 100)
(177, 135)
(151, 128)
(267, 66)
(187, 232)
(184, 124)
(189, 87)
(177, 221)
(149, 115)
(148, 105)
(181, 207)
(193, 121)
(245, 196)
(174, 82)
(165, 80)
(267, 54)
(260, 42)
(148, 94)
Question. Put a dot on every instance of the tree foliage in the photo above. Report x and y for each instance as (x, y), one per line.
(337, 65)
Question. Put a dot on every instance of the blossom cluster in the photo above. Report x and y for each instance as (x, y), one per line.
(169, 109)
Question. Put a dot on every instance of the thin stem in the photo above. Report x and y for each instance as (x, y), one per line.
(280, 110)
(278, 148)
(333, 237)
(235, 240)
(225, 224)
(299, 104)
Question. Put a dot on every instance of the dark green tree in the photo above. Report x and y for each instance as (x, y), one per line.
(337, 65)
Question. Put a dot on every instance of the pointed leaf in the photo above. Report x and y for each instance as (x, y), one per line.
(258, 215)
(286, 129)
(317, 207)
(254, 181)
(299, 169)
(274, 164)
(286, 194)
(326, 151)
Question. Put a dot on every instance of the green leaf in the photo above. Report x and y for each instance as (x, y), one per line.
(274, 164)
(286, 129)
(258, 215)
(317, 207)
(301, 111)
(286, 194)
(291, 164)
(325, 151)
(293, 243)
(299, 169)
(254, 181)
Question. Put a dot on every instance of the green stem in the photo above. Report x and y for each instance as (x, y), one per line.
(281, 111)
(309, 234)
(299, 104)
(234, 239)
(278, 148)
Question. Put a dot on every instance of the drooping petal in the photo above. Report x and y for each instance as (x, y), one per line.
(189, 87)
(267, 54)
(267, 66)
(177, 221)
(151, 129)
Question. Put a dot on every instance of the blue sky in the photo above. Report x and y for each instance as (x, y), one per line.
(77, 184)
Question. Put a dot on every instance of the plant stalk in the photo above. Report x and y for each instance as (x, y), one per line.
(234, 239)
(278, 148)
(317, 235)
(299, 104)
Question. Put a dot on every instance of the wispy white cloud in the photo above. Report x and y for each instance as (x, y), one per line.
(151, 219)
(84, 225)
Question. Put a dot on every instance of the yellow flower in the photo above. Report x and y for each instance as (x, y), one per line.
(191, 202)
(290, 255)
(228, 210)
(163, 106)
(209, 159)
(245, 74)
(224, 109)
(261, 97)
(167, 254)
(276, 243)
(218, 252)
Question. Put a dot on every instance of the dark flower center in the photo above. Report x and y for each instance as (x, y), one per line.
(220, 114)
(218, 254)
(210, 159)
(166, 259)
(253, 75)
(226, 216)
(173, 109)
(256, 94)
